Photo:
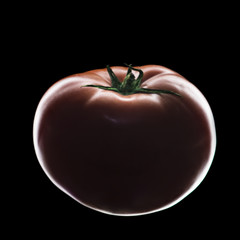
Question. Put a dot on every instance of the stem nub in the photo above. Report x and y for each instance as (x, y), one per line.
(130, 85)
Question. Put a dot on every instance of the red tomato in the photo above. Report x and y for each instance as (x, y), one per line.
(117, 147)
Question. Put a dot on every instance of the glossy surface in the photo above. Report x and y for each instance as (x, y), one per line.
(125, 155)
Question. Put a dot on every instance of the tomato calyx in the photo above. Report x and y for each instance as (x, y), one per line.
(130, 84)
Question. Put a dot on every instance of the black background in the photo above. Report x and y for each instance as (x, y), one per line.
(50, 50)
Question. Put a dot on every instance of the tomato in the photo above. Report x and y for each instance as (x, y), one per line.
(123, 140)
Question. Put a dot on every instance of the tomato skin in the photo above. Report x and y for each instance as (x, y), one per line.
(125, 155)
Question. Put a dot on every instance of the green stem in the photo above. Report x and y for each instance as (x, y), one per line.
(115, 82)
(130, 85)
(156, 91)
(140, 77)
